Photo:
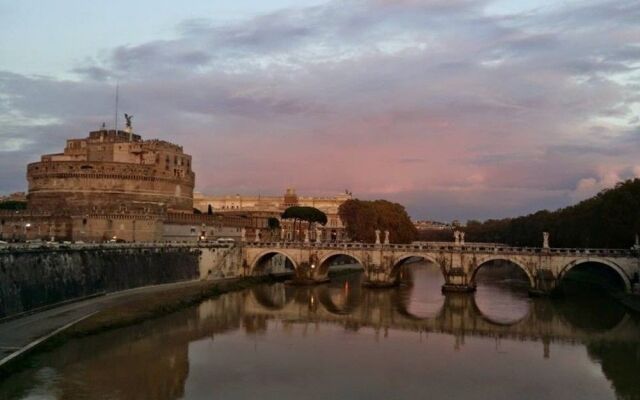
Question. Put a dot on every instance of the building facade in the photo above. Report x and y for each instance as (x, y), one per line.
(274, 206)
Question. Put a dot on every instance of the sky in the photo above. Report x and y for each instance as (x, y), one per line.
(457, 109)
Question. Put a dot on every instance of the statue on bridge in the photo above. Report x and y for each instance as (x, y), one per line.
(377, 236)
(545, 240)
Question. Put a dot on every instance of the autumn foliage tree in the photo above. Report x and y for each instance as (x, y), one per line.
(362, 218)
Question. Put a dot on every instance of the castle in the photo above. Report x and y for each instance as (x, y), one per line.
(111, 185)
(112, 169)
(115, 186)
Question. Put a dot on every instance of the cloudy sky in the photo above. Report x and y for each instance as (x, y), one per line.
(456, 108)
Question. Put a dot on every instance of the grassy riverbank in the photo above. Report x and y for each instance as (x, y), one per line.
(138, 308)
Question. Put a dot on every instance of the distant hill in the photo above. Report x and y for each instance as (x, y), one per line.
(610, 219)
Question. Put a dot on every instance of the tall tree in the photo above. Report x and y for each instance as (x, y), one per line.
(299, 214)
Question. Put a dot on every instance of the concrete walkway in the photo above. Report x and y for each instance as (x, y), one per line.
(20, 334)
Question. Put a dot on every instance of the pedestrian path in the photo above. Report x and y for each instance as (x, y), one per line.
(21, 334)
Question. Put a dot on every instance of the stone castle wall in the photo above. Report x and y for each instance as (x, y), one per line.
(72, 185)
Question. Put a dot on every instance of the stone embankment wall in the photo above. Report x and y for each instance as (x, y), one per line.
(36, 278)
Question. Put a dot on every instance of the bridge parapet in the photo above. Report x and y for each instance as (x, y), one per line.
(452, 247)
(459, 263)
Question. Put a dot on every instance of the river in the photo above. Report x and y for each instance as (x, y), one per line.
(342, 341)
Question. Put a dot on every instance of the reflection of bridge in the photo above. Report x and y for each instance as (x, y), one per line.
(154, 359)
(353, 307)
(459, 263)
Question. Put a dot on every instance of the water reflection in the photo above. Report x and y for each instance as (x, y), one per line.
(421, 297)
(342, 341)
(502, 303)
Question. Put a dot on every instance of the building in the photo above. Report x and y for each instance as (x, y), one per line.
(422, 225)
(112, 169)
(273, 206)
(109, 185)
(17, 197)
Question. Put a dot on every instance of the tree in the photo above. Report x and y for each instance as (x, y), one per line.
(209, 210)
(273, 223)
(362, 218)
(13, 205)
(299, 214)
(196, 211)
(610, 219)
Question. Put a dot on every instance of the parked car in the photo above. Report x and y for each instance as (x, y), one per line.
(225, 240)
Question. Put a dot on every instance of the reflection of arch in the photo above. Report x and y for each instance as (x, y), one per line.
(625, 279)
(399, 300)
(262, 258)
(351, 302)
(494, 321)
(501, 258)
(272, 297)
(578, 313)
(400, 261)
(323, 264)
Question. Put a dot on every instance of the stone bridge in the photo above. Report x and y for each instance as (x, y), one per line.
(459, 263)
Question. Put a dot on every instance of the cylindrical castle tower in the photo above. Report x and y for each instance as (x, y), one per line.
(112, 170)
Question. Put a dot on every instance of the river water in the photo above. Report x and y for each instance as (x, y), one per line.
(341, 341)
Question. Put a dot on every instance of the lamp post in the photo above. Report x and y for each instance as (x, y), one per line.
(27, 226)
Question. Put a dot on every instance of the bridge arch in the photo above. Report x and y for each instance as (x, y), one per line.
(398, 262)
(258, 262)
(323, 264)
(513, 261)
(595, 260)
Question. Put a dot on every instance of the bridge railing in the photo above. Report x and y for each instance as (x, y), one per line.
(498, 249)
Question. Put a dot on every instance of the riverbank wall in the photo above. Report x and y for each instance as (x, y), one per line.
(31, 279)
